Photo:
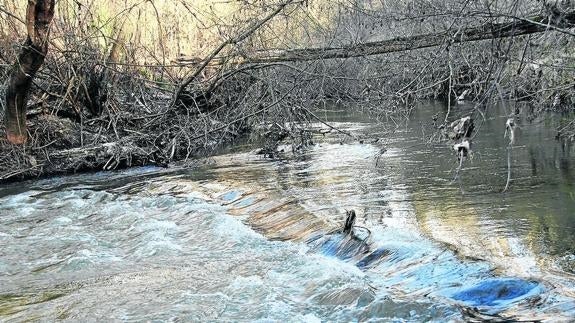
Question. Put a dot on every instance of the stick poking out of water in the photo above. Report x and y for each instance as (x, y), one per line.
(509, 129)
(349, 221)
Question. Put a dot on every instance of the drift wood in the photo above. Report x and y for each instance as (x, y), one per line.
(39, 14)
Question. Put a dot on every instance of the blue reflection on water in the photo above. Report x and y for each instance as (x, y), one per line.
(231, 196)
(244, 202)
(498, 292)
(373, 258)
(491, 294)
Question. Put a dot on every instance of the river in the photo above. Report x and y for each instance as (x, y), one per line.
(245, 238)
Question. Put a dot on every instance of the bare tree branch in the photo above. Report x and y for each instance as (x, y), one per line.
(216, 51)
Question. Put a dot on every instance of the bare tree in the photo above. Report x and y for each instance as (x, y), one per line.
(39, 14)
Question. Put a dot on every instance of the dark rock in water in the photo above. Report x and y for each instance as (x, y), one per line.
(329, 245)
(342, 246)
(497, 292)
(351, 247)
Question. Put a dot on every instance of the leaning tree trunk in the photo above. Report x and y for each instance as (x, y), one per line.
(38, 17)
(515, 27)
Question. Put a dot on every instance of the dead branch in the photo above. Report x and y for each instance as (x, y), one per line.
(216, 51)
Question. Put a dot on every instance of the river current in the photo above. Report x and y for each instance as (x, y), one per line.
(246, 238)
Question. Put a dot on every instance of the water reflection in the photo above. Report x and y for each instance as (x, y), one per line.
(538, 209)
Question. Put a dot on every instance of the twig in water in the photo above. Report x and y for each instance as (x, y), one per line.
(509, 128)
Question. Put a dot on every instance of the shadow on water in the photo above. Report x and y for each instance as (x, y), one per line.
(246, 238)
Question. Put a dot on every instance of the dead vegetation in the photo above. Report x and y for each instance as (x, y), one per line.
(108, 98)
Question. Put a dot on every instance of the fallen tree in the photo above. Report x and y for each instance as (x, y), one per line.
(515, 27)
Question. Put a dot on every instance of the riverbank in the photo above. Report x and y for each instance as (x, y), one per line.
(86, 114)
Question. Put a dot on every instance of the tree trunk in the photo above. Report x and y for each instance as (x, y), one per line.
(516, 27)
(38, 17)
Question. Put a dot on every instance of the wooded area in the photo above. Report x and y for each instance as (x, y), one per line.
(138, 83)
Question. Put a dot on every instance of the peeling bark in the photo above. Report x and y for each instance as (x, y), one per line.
(39, 15)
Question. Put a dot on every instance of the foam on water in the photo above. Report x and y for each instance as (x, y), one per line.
(258, 279)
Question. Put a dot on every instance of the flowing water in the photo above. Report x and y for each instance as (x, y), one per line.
(246, 238)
